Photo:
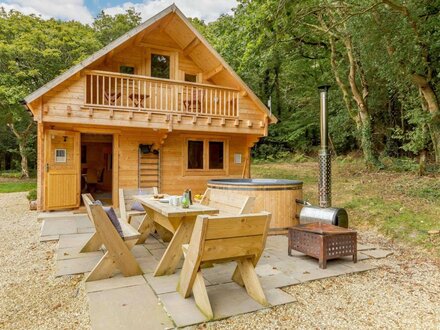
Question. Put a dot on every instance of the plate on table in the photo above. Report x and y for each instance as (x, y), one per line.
(164, 200)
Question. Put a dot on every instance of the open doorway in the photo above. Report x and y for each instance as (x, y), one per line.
(97, 166)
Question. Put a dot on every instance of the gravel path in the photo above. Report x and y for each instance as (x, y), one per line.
(404, 292)
(30, 295)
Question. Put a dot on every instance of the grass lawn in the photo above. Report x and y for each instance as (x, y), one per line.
(16, 186)
(403, 206)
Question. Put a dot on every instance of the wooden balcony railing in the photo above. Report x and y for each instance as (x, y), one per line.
(139, 93)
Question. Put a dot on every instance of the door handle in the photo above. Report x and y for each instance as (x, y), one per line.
(47, 167)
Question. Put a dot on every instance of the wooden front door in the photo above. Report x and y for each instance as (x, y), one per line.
(62, 170)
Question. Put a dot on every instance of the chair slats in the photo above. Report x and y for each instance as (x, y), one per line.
(235, 227)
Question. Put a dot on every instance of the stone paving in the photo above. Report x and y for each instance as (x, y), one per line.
(152, 302)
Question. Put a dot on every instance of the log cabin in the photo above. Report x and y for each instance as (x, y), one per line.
(156, 107)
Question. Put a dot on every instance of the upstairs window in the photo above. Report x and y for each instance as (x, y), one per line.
(190, 77)
(126, 69)
(160, 66)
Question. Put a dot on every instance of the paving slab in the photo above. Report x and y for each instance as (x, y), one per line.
(220, 273)
(133, 307)
(377, 254)
(148, 264)
(83, 230)
(163, 284)
(76, 265)
(139, 251)
(116, 282)
(227, 300)
(157, 253)
(58, 226)
(184, 312)
(266, 270)
(58, 214)
(72, 253)
(364, 247)
(73, 240)
(360, 257)
(49, 238)
(277, 281)
(83, 222)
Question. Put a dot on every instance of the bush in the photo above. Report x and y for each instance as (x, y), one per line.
(32, 195)
(10, 174)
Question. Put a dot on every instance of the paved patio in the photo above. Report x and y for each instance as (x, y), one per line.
(152, 302)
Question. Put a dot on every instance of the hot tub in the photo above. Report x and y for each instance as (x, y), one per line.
(276, 196)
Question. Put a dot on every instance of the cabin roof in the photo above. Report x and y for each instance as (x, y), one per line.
(133, 33)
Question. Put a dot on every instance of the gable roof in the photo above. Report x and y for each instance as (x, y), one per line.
(134, 32)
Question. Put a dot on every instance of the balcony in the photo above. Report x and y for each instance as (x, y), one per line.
(115, 91)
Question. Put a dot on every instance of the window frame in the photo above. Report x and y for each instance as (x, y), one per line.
(174, 59)
(206, 170)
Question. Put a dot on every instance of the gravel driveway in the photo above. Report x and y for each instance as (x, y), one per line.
(404, 292)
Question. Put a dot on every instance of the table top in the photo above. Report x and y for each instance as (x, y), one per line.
(174, 211)
(323, 229)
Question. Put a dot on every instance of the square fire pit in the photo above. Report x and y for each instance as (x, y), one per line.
(323, 241)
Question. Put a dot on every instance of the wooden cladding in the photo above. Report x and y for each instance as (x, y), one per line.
(139, 93)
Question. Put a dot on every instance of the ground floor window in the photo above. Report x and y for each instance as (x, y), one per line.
(205, 155)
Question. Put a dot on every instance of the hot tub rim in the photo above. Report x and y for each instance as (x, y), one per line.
(257, 182)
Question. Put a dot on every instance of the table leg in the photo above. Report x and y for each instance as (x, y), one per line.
(173, 254)
(145, 227)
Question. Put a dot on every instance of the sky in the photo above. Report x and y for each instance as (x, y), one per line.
(85, 10)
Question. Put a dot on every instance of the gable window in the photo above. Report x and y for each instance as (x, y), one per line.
(190, 77)
(126, 69)
(160, 66)
(205, 155)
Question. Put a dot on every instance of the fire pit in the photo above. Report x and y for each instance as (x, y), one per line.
(276, 196)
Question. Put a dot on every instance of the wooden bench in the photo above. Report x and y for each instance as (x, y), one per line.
(118, 255)
(228, 203)
(239, 238)
(126, 201)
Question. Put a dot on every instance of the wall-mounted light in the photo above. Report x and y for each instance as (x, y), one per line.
(65, 138)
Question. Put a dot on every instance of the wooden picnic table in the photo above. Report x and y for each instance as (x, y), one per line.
(177, 220)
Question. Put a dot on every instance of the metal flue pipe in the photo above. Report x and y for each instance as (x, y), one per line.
(325, 170)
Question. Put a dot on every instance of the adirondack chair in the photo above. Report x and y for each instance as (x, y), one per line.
(238, 238)
(118, 255)
(126, 201)
(227, 202)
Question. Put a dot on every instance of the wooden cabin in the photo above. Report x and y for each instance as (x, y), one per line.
(156, 107)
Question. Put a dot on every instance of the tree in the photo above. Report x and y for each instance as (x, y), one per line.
(32, 52)
(109, 28)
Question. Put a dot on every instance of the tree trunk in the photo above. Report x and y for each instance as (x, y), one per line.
(24, 160)
(22, 138)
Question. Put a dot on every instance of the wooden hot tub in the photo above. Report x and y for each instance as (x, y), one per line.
(276, 196)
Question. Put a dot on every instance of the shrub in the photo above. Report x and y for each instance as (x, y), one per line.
(32, 195)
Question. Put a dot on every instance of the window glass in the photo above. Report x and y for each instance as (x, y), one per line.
(160, 66)
(195, 155)
(215, 155)
(190, 77)
(126, 69)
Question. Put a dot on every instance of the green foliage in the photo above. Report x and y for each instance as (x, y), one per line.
(32, 195)
(108, 27)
